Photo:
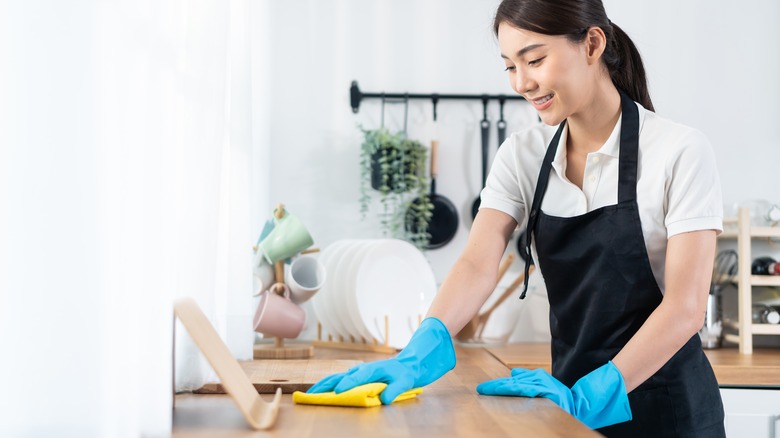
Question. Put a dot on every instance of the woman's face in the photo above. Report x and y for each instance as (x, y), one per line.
(551, 72)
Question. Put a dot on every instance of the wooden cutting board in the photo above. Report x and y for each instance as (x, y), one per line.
(290, 375)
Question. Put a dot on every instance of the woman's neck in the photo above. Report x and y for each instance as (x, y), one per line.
(591, 126)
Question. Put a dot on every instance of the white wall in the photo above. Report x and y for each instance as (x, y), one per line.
(712, 65)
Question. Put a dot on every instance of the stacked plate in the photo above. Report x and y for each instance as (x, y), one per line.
(369, 281)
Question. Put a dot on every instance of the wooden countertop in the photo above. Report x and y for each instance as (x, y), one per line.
(448, 407)
(762, 368)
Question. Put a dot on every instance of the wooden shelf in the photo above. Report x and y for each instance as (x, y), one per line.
(766, 329)
(765, 280)
(756, 232)
(765, 231)
(745, 280)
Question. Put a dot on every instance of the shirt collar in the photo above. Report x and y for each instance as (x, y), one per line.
(610, 148)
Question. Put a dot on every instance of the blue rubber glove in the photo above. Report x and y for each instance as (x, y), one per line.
(598, 399)
(428, 356)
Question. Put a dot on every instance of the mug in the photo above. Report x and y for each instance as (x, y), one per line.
(305, 277)
(268, 226)
(278, 316)
(263, 271)
(288, 238)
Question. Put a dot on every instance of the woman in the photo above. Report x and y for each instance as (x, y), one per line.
(622, 210)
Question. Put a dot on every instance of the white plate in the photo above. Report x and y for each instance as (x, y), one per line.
(349, 301)
(394, 280)
(319, 300)
(347, 268)
(331, 299)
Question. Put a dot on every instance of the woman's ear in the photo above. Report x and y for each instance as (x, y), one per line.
(595, 44)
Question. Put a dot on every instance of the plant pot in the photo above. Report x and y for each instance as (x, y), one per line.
(395, 180)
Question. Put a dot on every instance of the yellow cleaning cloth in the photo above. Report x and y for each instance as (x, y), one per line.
(364, 396)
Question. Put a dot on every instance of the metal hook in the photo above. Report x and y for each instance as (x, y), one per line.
(485, 101)
(435, 101)
(406, 111)
(382, 123)
(501, 101)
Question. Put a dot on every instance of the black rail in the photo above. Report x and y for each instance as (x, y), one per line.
(356, 96)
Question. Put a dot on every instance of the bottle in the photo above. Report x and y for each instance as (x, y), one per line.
(763, 314)
(765, 266)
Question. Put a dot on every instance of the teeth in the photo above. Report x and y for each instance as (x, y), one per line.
(543, 100)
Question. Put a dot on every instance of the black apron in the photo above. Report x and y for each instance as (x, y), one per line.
(602, 289)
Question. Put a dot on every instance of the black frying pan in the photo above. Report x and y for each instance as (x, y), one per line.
(444, 219)
(484, 124)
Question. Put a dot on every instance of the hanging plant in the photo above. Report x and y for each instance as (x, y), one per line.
(394, 166)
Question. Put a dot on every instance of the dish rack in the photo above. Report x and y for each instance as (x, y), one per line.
(745, 234)
(358, 344)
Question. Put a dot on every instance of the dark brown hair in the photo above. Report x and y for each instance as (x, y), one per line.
(572, 19)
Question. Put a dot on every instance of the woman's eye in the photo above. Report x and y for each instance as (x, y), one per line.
(536, 61)
(509, 68)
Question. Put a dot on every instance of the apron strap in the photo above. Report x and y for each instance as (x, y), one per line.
(627, 171)
(629, 150)
(541, 187)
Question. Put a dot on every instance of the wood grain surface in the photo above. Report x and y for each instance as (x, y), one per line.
(450, 407)
(762, 368)
(291, 374)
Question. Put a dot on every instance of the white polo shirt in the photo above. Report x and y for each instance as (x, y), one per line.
(678, 188)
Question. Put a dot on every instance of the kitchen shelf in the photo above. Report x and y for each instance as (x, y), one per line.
(765, 280)
(745, 280)
(766, 329)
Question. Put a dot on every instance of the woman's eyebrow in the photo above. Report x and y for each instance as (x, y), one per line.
(524, 50)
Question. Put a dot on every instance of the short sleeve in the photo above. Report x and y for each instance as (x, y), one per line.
(693, 195)
(502, 190)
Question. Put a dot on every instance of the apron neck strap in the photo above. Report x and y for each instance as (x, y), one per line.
(627, 171)
(541, 187)
(629, 149)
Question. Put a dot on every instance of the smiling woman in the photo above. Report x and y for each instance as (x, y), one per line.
(573, 20)
(616, 199)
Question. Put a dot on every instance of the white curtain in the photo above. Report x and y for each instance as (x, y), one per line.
(130, 155)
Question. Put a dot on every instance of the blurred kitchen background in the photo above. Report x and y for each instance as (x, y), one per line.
(143, 145)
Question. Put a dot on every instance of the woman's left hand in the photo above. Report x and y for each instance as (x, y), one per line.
(598, 399)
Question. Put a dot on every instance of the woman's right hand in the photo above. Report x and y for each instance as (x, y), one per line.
(428, 356)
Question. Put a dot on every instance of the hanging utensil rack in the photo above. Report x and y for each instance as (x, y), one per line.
(356, 96)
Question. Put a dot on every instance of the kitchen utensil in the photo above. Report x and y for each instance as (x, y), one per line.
(256, 411)
(278, 316)
(349, 299)
(321, 299)
(443, 223)
(339, 304)
(501, 124)
(263, 272)
(288, 238)
(711, 333)
(394, 281)
(468, 331)
(328, 297)
(305, 277)
(484, 125)
(509, 290)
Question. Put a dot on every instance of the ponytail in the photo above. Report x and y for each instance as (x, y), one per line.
(571, 18)
(626, 68)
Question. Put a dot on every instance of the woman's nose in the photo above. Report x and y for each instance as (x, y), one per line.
(524, 83)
